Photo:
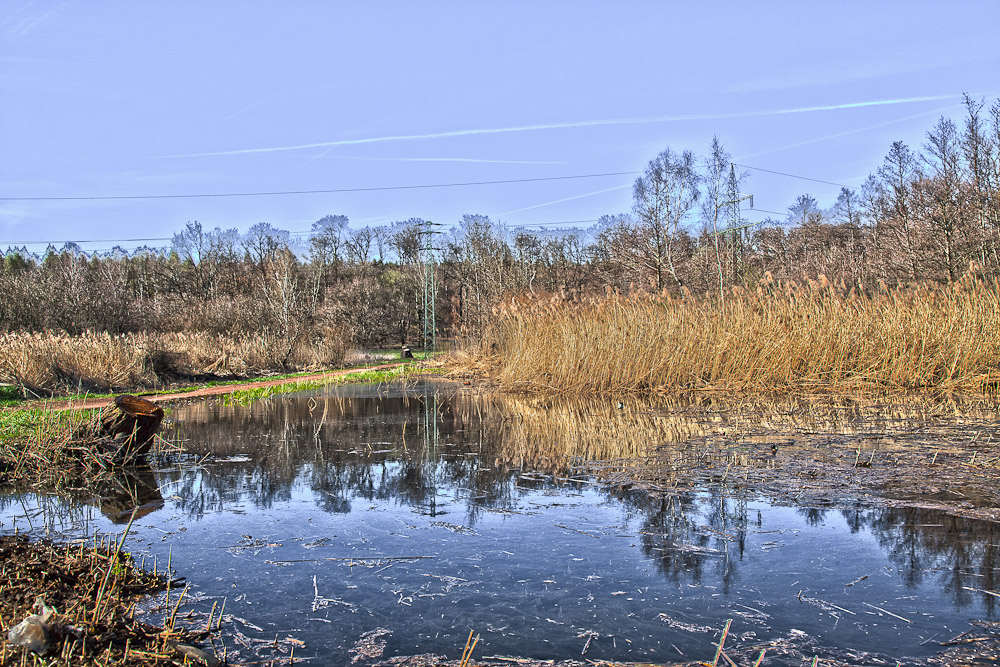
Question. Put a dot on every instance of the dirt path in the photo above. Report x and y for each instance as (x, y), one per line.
(218, 390)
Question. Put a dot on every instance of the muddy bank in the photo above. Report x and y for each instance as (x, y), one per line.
(75, 604)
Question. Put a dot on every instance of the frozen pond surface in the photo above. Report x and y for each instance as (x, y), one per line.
(416, 515)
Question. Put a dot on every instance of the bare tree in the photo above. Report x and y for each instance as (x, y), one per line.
(941, 193)
(406, 237)
(527, 257)
(722, 184)
(262, 243)
(664, 196)
(847, 212)
(805, 211)
(327, 240)
(359, 245)
(896, 176)
(978, 150)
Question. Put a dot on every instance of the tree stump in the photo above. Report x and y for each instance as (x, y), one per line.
(130, 424)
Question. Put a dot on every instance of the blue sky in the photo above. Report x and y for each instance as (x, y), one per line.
(102, 98)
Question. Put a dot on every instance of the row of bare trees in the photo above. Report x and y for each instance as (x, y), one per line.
(924, 215)
(930, 214)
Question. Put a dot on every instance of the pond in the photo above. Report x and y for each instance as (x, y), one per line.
(360, 523)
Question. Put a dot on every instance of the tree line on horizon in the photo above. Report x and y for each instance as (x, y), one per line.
(931, 214)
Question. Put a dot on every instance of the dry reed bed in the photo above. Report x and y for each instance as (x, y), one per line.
(49, 363)
(814, 337)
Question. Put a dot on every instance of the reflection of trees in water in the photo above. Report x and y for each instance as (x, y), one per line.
(401, 448)
(117, 493)
(520, 432)
(926, 543)
(689, 533)
(409, 448)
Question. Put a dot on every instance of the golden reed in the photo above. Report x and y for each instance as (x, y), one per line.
(815, 336)
(54, 362)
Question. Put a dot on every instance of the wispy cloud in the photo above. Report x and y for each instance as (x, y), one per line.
(564, 199)
(566, 125)
(441, 159)
(837, 135)
(31, 15)
(852, 68)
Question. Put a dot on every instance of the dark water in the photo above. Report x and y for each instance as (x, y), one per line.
(428, 512)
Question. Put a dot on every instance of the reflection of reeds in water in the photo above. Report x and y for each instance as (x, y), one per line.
(491, 443)
(533, 428)
(544, 432)
(682, 463)
(535, 431)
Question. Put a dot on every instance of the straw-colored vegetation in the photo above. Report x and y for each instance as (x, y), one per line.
(779, 337)
(49, 363)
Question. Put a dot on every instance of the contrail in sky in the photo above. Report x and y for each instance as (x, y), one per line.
(845, 133)
(559, 201)
(439, 159)
(570, 124)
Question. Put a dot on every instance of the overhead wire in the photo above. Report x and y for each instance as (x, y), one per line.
(323, 191)
(804, 178)
(764, 210)
(303, 232)
(374, 189)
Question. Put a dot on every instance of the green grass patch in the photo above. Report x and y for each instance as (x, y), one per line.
(23, 427)
(11, 397)
(245, 396)
(33, 443)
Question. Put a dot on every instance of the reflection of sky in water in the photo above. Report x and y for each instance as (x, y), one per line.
(534, 561)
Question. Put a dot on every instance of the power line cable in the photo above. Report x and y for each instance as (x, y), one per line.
(403, 187)
(764, 210)
(804, 178)
(330, 191)
(547, 224)
(91, 241)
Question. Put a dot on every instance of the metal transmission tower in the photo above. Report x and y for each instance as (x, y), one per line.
(736, 224)
(430, 286)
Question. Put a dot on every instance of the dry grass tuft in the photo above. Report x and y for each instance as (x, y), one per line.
(780, 337)
(44, 364)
